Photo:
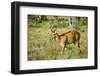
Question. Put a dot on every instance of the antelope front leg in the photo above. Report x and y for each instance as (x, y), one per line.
(62, 49)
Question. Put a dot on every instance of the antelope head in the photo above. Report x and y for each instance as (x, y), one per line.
(52, 33)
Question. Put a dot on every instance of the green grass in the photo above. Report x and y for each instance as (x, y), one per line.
(40, 47)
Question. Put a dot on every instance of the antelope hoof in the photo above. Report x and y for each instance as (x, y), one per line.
(61, 53)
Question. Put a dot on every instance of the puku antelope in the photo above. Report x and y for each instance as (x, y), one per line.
(71, 36)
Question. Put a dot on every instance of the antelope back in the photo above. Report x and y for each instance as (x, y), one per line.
(72, 36)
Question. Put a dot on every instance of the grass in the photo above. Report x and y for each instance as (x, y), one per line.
(40, 47)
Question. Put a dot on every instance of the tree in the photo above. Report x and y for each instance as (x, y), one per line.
(72, 21)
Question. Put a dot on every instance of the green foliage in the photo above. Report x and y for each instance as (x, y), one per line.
(82, 24)
(39, 21)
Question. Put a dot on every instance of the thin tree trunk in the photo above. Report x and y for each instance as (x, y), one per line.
(72, 21)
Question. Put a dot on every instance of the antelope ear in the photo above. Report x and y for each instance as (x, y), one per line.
(50, 27)
(51, 30)
(55, 32)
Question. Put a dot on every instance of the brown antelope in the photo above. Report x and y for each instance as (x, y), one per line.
(71, 36)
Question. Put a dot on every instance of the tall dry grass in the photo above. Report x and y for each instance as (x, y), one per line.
(40, 47)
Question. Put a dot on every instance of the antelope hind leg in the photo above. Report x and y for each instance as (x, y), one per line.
(78, 46)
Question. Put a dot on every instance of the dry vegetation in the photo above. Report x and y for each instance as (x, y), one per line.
(40, 47)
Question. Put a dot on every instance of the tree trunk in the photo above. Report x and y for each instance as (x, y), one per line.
(72, 21)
